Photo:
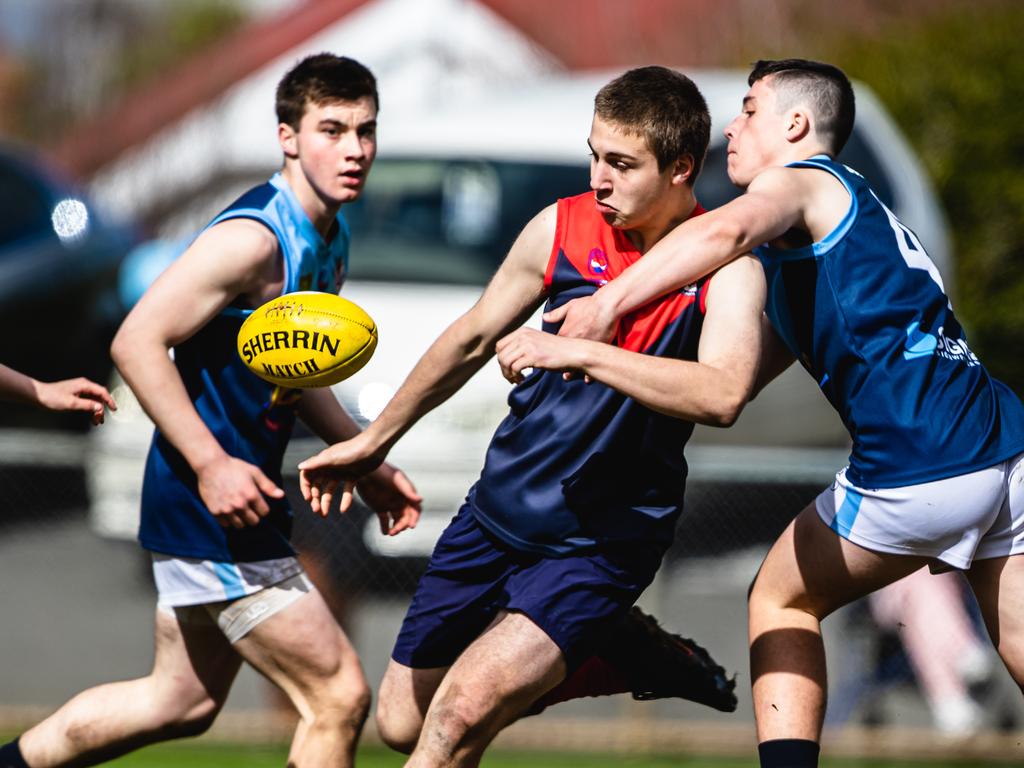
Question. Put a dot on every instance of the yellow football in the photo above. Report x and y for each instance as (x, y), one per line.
(307, 339)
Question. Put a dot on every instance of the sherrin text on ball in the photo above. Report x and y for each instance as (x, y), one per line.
(307, 339)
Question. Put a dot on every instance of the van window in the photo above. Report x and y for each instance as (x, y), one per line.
(449, 221)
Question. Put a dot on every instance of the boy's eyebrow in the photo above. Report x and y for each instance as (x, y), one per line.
(333, 121)
(612, 153)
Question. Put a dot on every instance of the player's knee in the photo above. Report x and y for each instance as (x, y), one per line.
(183, 717)
(763, 602)
(397, 736)
(457, 716)
(356, 701)
(769, 602)
(765, 595)
(199, 718)
(397, 725)
(344, 703)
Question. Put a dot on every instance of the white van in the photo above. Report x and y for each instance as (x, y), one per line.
(448, 193)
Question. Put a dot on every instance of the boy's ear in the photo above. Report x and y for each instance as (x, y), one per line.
(682, 169)
(287, 139)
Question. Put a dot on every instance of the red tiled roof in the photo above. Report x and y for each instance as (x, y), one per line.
(591, 34)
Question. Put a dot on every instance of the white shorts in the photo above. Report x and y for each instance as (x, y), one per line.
(235, 596)
(237, 618)
(191, 581)
(957, 520)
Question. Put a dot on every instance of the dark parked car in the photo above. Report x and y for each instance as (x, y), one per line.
(58, 266)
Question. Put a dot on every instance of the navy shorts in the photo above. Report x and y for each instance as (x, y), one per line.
(473, 575)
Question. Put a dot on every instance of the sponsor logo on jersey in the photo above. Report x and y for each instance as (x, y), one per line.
(923, 344)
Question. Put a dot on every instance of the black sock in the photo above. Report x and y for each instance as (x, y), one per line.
(789, 753)
(10, 756)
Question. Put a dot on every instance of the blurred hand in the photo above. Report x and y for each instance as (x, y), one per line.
(584, 318)
(75, 395)
(389, 493)
(530, 348)
(233, 490)
(341, 463)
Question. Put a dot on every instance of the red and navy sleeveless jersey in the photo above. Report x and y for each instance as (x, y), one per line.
(575, 465)
(251, 419)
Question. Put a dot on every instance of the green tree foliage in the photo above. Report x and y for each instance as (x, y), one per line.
(954, 82)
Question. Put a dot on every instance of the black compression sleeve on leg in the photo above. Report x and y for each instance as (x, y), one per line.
(789, 753)
(10, 756)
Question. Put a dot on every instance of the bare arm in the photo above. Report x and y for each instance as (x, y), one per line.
(770, 207)
(775, 357)
(320, 410)
(511, 297)
(711, 390)
(386, 490)
(79, 394)
(236, 257)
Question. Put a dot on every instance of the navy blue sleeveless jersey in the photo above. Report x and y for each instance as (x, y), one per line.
(251, 419)
(574, 465)
(865, 312)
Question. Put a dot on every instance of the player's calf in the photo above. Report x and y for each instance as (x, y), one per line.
(111, 720)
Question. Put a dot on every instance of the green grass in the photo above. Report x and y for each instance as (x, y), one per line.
(207, 755)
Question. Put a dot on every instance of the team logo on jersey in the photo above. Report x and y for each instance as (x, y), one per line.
(922, 344)
(597, 261)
